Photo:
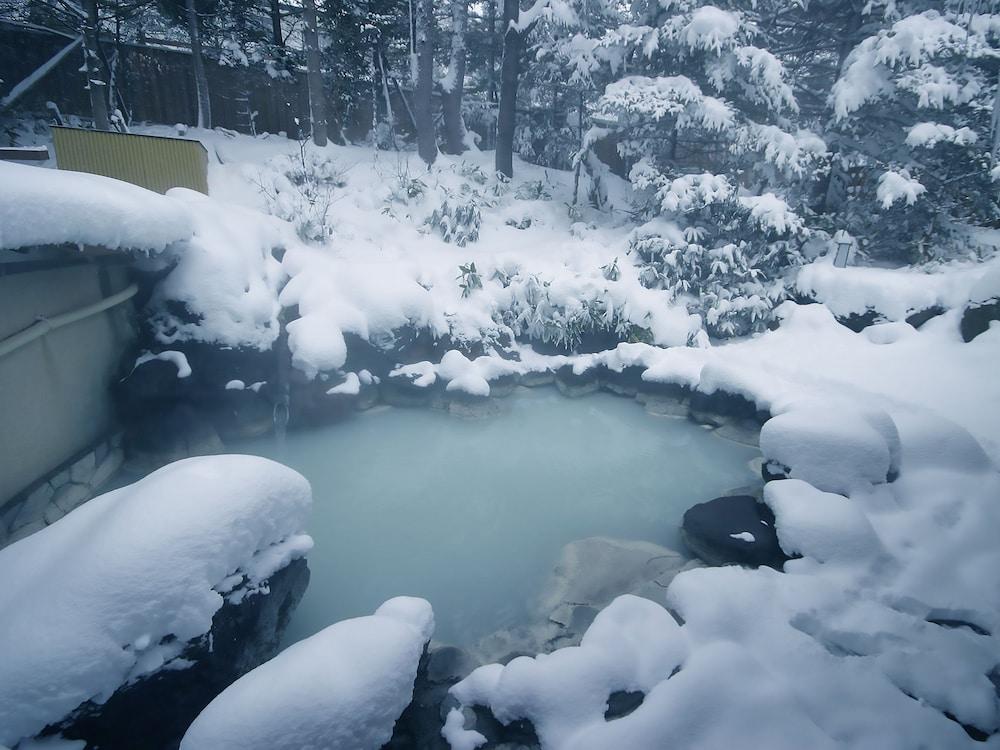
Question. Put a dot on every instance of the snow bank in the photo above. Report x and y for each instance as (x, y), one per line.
(116, 588)
(881, 635)
(894, 293)
(341, 688)
(818, 524)
(49, 207)
(226, 276)
(633, 644)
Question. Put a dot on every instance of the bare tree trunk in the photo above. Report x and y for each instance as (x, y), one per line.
(995, 124)
(276, 33)
(509, 74)
(453, 88)
(200, 79)
(96, 84)
(422, 109)
(317, 99)
(491, 74)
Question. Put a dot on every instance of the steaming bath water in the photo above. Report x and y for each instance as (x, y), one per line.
(471, 514)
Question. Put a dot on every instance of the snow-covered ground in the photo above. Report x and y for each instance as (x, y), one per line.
(881, 634)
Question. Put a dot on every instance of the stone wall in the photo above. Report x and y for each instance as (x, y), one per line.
(52, 497)
(56, 408)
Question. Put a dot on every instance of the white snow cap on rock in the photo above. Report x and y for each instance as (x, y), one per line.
(88, 602)
(832, 447)
(341, 689)
(52, 207)
(819, 524)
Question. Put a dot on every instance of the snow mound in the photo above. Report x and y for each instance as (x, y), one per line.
(894, 293)
(226, 277)
(831, 448)
(633, 644)
(116, 588)
(50, 207)
(819, 525)
(882, 635)
(341, 688)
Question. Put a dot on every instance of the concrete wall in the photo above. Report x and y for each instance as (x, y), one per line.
(55, 401)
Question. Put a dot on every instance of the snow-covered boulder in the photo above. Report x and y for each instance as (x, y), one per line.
(820, 525)
(118, 589)
(984, 305)
(52, 207)
(342, 688)
(632, 645)
(834, 448)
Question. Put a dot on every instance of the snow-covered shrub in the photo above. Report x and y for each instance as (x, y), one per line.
(730, 261)
(564, 320)
(300, 190)
(469, 279)
(458, 223)
(532, 190)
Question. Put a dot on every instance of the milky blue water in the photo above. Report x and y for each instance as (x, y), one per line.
(472, 513)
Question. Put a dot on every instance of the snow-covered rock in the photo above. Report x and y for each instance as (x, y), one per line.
(342, 688)
(50, 207)
(116, 589)
(818, 524)
(833, 448)
(984, 305)
(736, 529)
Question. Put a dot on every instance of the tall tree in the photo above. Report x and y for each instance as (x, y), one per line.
(96, 84)
(509, 73)
(198, 63)
(453, 84)
(317, 98)
(274, 10)
(422, 103)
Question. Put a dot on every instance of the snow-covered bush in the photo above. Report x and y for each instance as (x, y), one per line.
(458, 223)
(300, 189)
(729, 262)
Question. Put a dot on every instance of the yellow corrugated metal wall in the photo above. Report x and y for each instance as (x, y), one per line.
(150, 161)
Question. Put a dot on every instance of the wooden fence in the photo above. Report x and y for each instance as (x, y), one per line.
(156, 83)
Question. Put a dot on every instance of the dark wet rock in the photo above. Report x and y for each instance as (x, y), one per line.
(154, 380)
(154, 712)
(713, 408)
(625, 382)
(574, 384)
(470, 405)
(976, 318)
(536, 379)
(242, 413)
(504, 385)
(712, 531)
(622, 703)
(772, 470)
(401, 390)
(858, 322)
(520, 733)
(419, 726)
(168, 432)
(920, 317)
(311, 403)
